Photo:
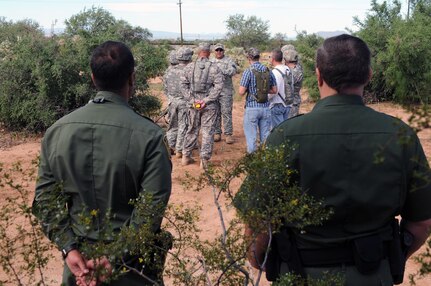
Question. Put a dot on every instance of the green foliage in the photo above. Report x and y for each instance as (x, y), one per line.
(247, 32)
(11, 32)
(270, 196)
(97, 25)
(24, 250)
(278, 40)
(409, 58)
(42, 79)
(306, 45)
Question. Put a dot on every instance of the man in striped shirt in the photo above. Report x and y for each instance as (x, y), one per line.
(257, 116)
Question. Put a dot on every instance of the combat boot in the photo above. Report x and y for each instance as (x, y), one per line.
(204, 164)
(217, 137)
(186, 160)
(229, 139)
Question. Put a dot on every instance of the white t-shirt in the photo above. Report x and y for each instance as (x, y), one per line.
(275, 98)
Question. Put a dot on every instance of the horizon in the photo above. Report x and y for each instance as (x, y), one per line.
(198, 17)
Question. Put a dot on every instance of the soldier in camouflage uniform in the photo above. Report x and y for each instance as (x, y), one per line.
(201, 83)
(171, 88)
(291, 59)
(228, 69)
(177, 108)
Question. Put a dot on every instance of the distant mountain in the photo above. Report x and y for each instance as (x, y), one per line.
(326, 34)
(162, 35)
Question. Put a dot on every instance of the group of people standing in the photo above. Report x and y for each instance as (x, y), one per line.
(200, 98)
(102, 156)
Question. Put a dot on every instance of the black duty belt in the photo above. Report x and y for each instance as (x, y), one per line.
(332, 256)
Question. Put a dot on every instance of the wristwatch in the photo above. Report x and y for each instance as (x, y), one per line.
(65, 251)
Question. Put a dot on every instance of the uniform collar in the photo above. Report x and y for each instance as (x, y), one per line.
(339, 99)
(111, 96)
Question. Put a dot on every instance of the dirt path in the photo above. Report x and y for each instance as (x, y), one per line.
(26, 151)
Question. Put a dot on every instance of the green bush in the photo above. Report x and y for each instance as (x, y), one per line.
(306, 45)
(43, 79)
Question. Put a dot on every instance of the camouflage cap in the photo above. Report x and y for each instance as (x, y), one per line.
(253, 52)
(204, 47)
(173, 57)
(184, 54)
(218, 46)
(287, 47)
(290, 56)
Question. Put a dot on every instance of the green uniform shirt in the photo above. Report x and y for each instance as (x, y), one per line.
(104, 154)
(363, 163)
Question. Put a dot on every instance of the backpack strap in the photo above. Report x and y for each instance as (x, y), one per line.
(284, 99)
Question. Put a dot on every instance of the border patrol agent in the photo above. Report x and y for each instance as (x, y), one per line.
(104, 155)
(337, 146)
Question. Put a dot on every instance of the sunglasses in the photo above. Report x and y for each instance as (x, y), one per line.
(219, 50)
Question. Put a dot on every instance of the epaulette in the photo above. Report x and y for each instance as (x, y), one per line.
(298, 115)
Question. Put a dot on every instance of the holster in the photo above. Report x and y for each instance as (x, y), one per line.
(283, 250)
(368, 252)
(398, 252)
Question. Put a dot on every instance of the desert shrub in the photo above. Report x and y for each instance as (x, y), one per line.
(43, 79)
(306, 45)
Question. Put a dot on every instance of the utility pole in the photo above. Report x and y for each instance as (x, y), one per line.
(52, 27)
(181, 22)
(408, 9)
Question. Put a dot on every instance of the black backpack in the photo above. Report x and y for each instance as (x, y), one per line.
(262, 84)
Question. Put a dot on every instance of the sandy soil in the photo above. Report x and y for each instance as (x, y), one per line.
(13, 149)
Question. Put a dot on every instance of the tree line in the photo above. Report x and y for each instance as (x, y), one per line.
(43, 78)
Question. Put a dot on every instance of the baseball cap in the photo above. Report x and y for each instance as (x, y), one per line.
(204, 46)
(290, 55)
(219, 46)
(184, 54)
(287, 47)
(253, 52)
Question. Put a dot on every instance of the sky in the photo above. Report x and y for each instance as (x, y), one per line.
(199, 16)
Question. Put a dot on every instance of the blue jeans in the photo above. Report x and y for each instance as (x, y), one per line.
(279, 113)
(256, 119)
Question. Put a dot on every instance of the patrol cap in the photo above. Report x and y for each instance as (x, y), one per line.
(253, 53)
(290, 56)
(287, 47)
(218, 46)
(204, 47)
(184, 54)
(173, 57)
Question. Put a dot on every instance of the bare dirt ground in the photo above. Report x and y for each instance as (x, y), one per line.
(13, 149)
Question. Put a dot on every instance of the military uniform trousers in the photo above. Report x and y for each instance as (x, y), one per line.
(294, 110)
(200, 121)
(178, 121)
(225, 114)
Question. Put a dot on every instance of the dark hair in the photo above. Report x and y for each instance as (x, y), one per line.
(277, 55)
(254, 58)
(112, 64)
(344, 61)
